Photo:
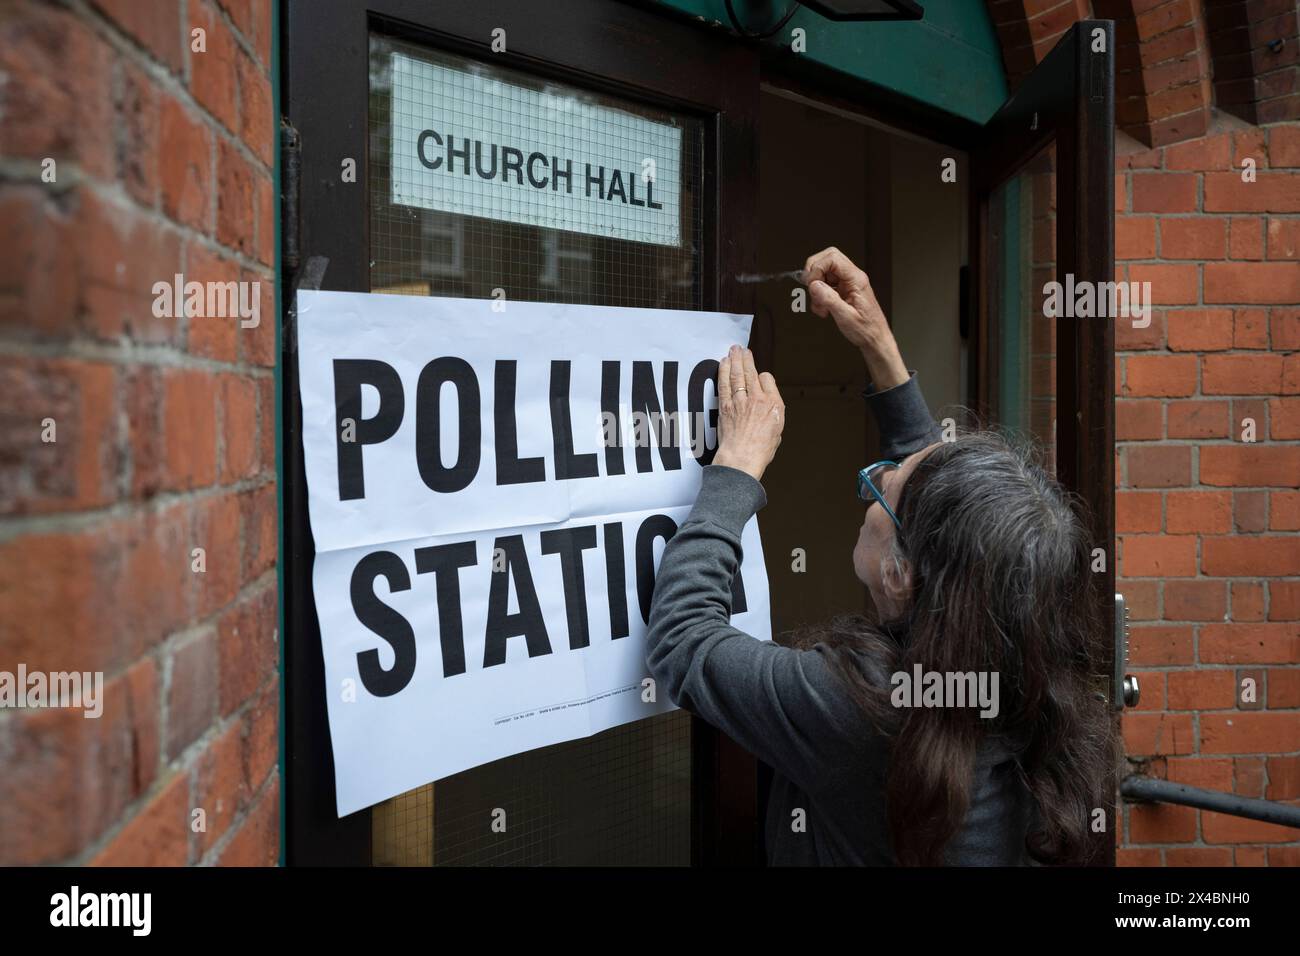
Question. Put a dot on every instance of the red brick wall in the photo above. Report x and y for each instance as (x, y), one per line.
(165, 432)
(1208, 524)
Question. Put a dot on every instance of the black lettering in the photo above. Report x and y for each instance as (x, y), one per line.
(702, 374)
(528, 622)
(453, 152)
(349, 376)
(511, 469)
(656, 526)
(444, 561)
(632, 200)
(536, 183)
(616, 580)
(478, 160)
(428, 424)
(512, 158)
(660, 422)
(566, 174)
(384, 621)
(419, 148)
(616, 186)
(569, 543)
(610, 374)
(650, 196)
(598, 180)
(567, 464)
(738, 603)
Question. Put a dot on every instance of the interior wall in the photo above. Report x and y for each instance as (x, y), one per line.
(826, 179)
(928, 242)
(812, 194)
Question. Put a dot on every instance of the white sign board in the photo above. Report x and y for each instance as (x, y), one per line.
(471, 144)
(490, 493)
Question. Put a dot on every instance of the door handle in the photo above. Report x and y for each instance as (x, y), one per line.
(1125, 691)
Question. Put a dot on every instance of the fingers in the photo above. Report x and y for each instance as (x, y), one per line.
(737, 362)
(826, 300)
(751, 372)
(738, 378)
(832, 267)
(814, 266)
(808, 264)
(773, 394)
(753, 415)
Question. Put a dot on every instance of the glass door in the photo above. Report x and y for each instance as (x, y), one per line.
(1043, 213)
(622, 796)
(662, 791)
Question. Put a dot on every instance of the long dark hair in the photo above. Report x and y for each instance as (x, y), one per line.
(1001, 583)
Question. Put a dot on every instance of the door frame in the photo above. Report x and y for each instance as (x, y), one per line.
(647, 54)
(1069, 99)
(1072, 93)
(606, 47)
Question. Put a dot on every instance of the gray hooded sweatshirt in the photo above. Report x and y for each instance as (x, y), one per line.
(789, 707)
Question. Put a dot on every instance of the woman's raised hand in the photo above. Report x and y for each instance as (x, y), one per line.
(838, 288)
(751, 414)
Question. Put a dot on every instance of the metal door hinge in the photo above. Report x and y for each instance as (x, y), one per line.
(1124, 686)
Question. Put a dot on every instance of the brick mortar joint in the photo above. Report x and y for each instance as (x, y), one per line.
(218, 849)
(128, 354)
(16, 526)
(108, 30)
(185, 764)
(26, 173)
(162, 651)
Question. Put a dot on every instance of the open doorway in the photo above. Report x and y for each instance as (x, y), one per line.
(830, 178)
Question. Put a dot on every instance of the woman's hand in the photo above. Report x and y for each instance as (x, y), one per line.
(751, 414)
(838, 288)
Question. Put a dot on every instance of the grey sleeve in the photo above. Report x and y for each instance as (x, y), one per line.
(904, 420)
(785, 706)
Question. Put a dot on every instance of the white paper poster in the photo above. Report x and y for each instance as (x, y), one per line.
(489, 494)
(469, 143)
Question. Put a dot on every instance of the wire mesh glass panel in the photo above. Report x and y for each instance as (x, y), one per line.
(622, 796)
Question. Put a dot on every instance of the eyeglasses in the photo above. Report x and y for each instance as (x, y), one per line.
(869, 482)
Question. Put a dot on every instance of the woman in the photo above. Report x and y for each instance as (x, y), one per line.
(976, 565)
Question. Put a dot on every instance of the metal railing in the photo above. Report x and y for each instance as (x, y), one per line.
(1151, 790)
